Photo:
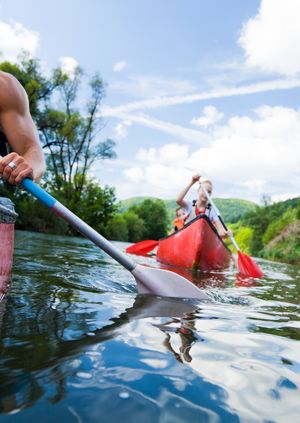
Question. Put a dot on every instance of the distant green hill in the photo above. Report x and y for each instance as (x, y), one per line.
(133, 201)
(231, 209)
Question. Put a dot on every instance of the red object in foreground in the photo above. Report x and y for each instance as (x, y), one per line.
(6, 254)
(196, 246)
(248, 267)
(142, 248)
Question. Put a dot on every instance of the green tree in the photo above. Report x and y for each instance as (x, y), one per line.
(276, 226)
(243, 236)
(266, 200)
(154, 216)
(97, 205)
(135, 226)
(116, 228)
(258, 221)
(70, 137)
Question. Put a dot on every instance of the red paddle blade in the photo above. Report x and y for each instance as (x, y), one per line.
(248, 267)
(142, 248)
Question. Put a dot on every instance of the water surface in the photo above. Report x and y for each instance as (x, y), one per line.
(78, 344)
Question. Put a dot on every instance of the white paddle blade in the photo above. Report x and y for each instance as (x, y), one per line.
(165, 283)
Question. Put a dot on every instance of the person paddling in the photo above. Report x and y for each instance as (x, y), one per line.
(19, 142)
(201, 205)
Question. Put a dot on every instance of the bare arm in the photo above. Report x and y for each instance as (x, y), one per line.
(18, 126)
(221, 230)
(180, 199)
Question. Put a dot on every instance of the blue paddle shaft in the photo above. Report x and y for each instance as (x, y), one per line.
(38, 192)
(77, 223)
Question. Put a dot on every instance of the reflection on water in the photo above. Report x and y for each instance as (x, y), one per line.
(78, 344)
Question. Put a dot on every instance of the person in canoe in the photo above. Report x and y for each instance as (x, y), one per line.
(179, 221)
(201, 205)
(19, 142)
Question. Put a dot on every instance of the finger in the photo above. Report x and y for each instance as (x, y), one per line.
(9, 158)
(12, 175)
(4, 162)
(7, 172)
(12, 157)
(20, 169)
(11, 179)
(26, 173)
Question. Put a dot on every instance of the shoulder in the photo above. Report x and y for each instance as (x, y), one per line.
(12, 94)
(8, 83)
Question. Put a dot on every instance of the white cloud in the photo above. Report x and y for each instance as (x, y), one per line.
(271, 39)
(169, 153)
(155, 179)
(160, 171)
(148, 86)
(147, 155)
(119, 66)
(68, 65)
(254, 184)
(15, 38)
(134, 174)
(210, 116)
(177, 131)
(120, 130)
(157, 102)
(264, 148)
(247, 157)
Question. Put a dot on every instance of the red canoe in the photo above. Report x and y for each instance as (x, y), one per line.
(196, 246)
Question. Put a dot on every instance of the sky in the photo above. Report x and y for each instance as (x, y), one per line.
(202, 86)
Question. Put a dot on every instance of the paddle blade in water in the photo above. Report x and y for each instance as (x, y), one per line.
(142, 248)
(165, 283)
(248, 267)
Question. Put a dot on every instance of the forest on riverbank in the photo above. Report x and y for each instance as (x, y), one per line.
(72, 143)
(270, 231)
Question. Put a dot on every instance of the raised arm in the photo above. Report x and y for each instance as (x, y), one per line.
(16, 122)
(180, 199)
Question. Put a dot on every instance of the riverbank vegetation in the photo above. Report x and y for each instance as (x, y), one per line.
(71, 138)
(271, 231)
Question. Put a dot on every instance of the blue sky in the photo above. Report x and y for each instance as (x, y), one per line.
(209, 87)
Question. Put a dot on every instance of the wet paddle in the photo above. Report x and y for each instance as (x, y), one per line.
(142, 248)
(246, 264)
(149, 280)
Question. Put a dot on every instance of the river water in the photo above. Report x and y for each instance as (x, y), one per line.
(78, 344)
